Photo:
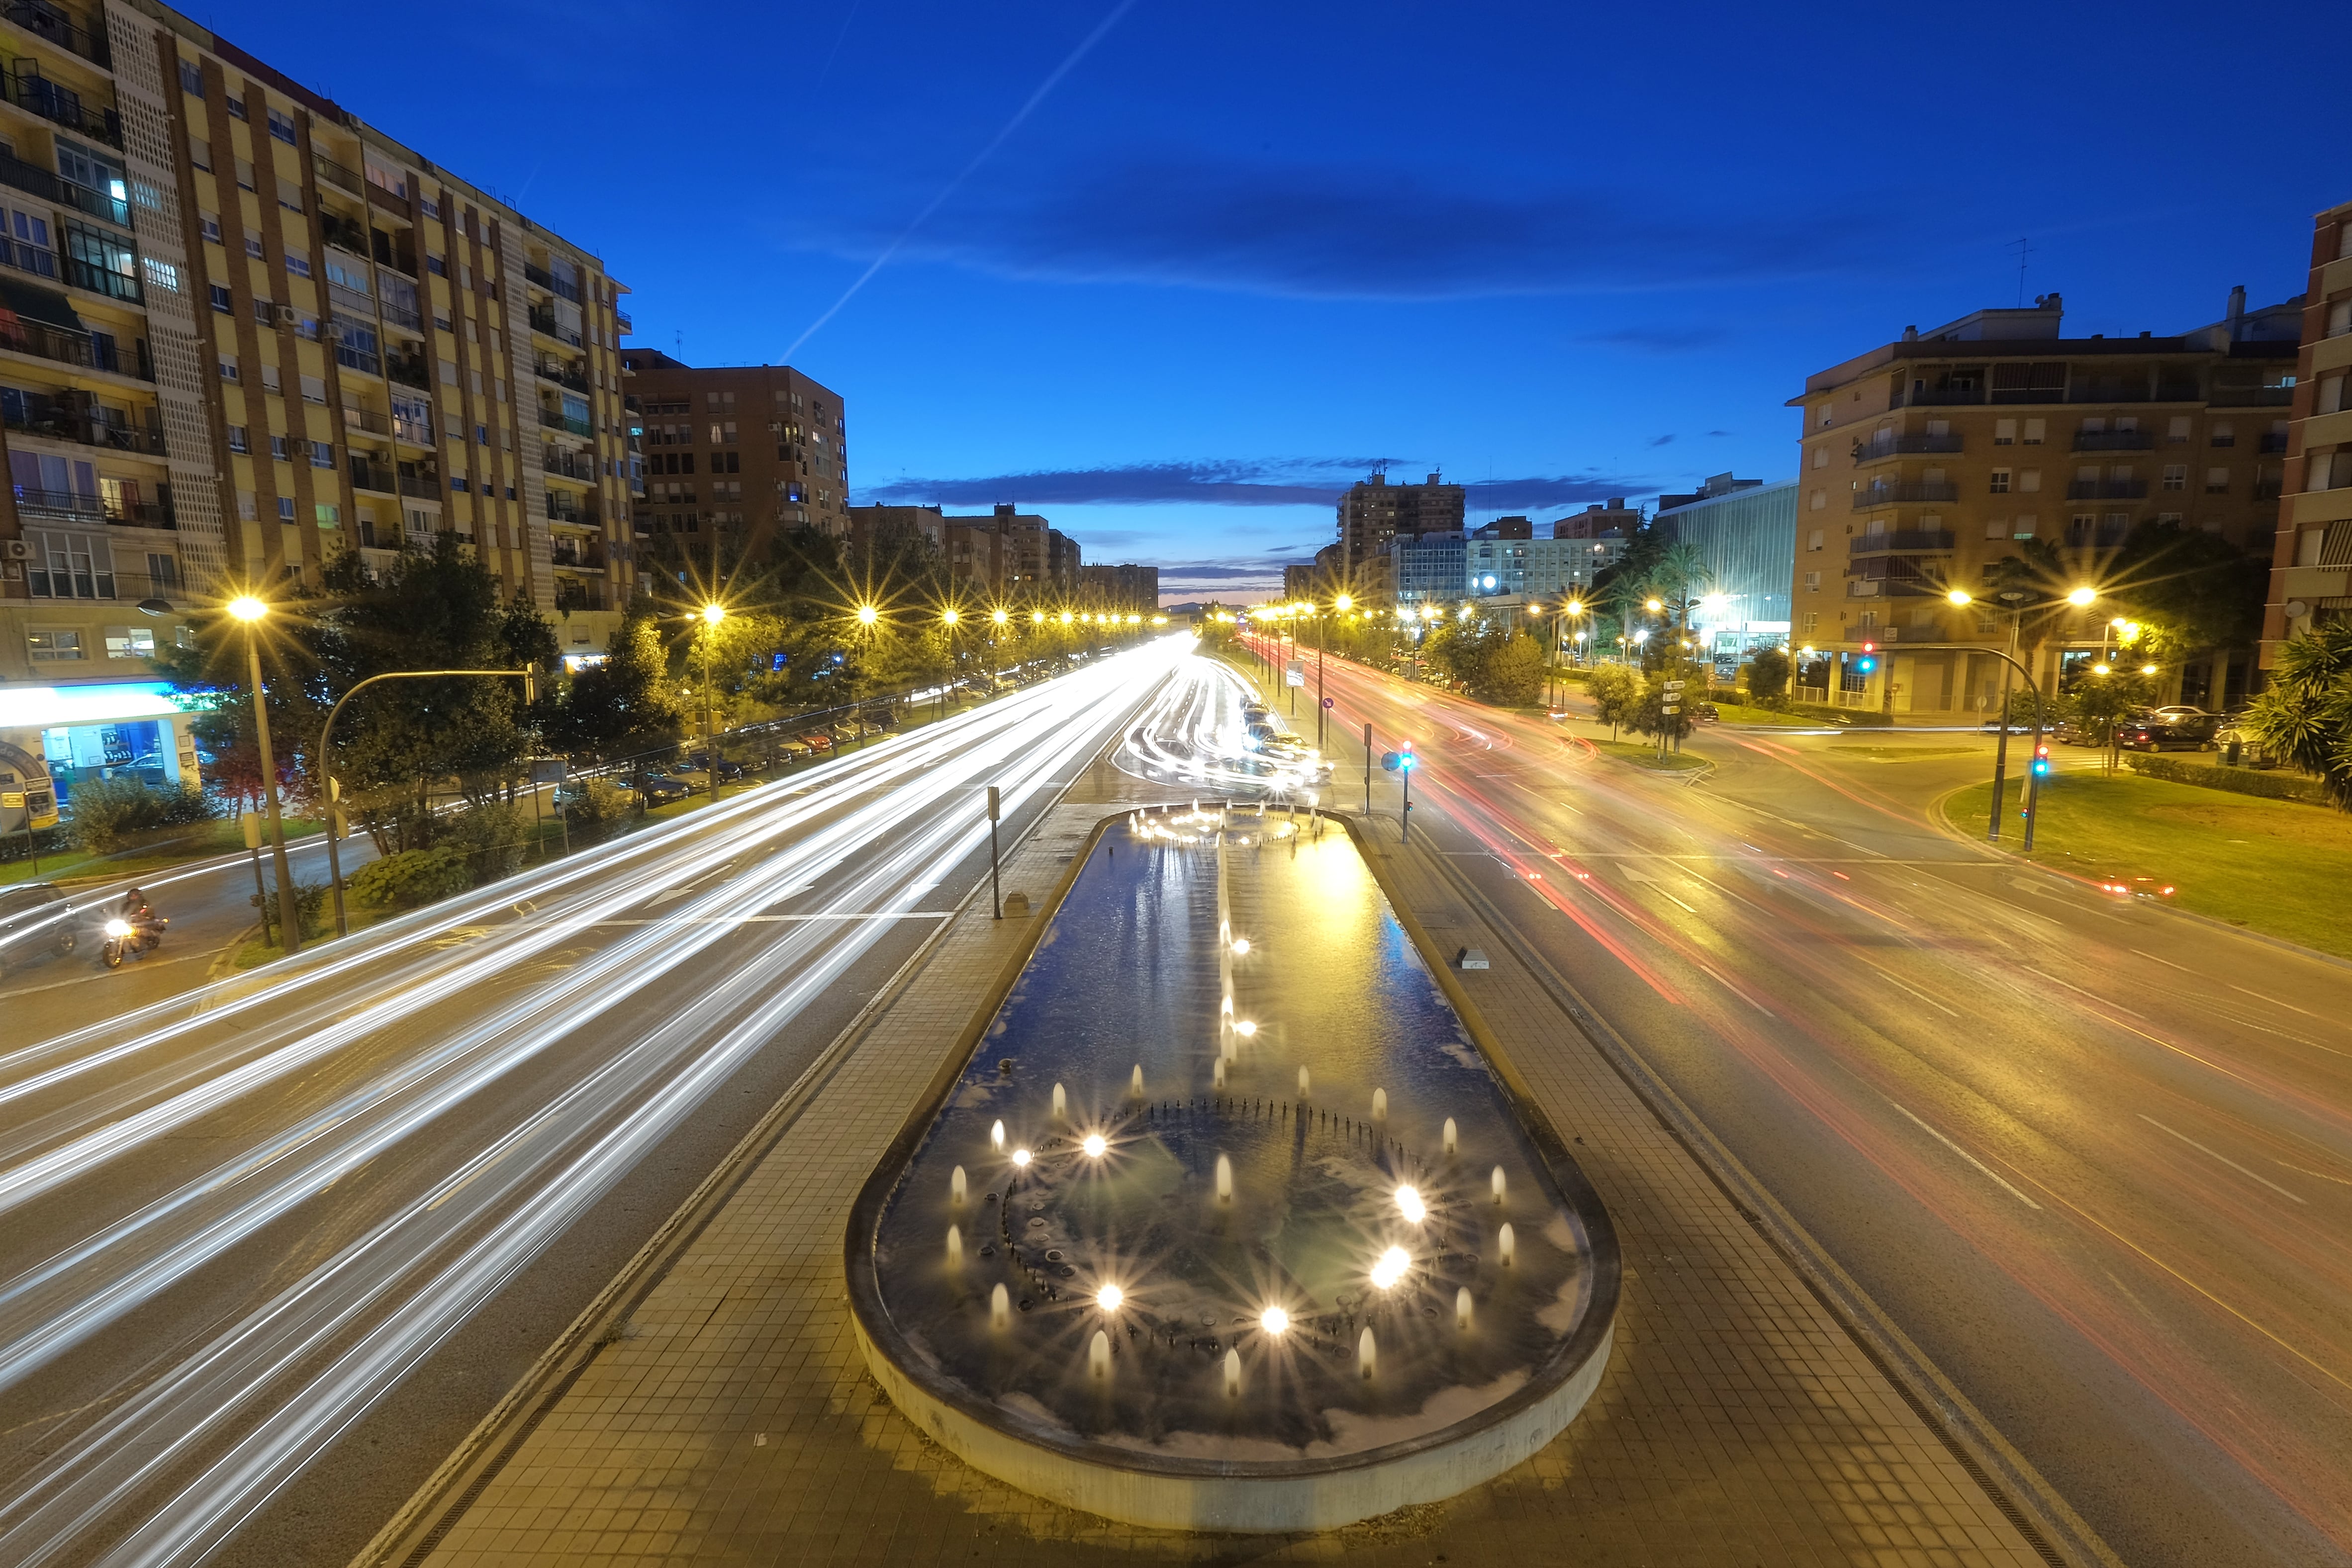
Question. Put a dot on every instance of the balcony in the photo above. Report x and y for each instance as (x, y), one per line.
(341, 178)
(62, 28)
(367, 420)
(2269, 489)
(2252, 397)
(37, 415)
(375, 477)
(1902, 446)
(122, 587)
(574, 377)
(103, 280)
(60, 104)
(46, 342)
(555, 418)
(1898, 495)
(562, 508)
(2272, 443)
(2112, 441)
(1884, 541)
(347, 237)
(427, 488)
(409, 370)
(577, 555)
(2107, 490)
(1942, 397)
(73, 506)
(401, 315)
(622, 320)
(567, 464)
(543, 322)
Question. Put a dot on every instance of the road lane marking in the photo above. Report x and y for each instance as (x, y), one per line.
(2266, 997)
(2323, 1175)
(2223, 1158)
(2079, 990)
(1955, 1148)
(1922, 996)
(768, 919)
(2168, 963)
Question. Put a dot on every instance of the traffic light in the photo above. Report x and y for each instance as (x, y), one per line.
(1867, 662)
(1405, 757)
(2041, 759)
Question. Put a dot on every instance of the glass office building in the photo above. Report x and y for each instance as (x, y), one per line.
(1747, 537)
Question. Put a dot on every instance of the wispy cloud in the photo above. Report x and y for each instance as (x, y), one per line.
(1317, 482)
(1663, 441)
(1661, 340)
(1351, 232)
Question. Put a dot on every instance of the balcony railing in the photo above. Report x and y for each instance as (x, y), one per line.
(337, 175)
(1895, 495)
(572, 376)
(2252, 397)
(2112, 441)
(544, 321)
(555, 418)
(77, 508)
(60, 27)
(1942, 397)
(401, 316)
(580, 557)
(1903, 446)
(562, 508)
(60, 423)
(622, 320)
(409, 371)
(45, 341)
(427, 488)
(123, 586)
(60, 104)
(366, 475)
(366, 419)
(570, 464)
(2107, 489)
(345, 235)
(1925, 539)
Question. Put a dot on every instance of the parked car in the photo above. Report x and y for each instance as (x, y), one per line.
(660, 789)
(2159, 729)
(817, 740)
(35, 922)
(793, 745)
(1703, 713)
(729, 769)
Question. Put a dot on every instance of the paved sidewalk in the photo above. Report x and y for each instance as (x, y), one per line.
(732, 1420)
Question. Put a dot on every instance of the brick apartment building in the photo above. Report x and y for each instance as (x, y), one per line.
(737, 453)
(1926, 460)
(2311, 563)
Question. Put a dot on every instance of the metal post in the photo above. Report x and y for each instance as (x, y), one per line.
(289, 921)
(709, 731)
(251, 825)
(1322, 635)
(1368, 771)
(2000, 747)
(2034, 777)
(995, 893)
(1405, 835)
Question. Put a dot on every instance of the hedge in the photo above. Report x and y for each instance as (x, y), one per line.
(2269, 786)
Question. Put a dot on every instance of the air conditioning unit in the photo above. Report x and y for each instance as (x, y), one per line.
(288, 316)
(11, 572)
(15, 549)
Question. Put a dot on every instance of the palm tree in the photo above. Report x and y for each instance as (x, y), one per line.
(2305, 714)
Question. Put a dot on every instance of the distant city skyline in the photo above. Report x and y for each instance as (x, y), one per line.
(1194, 291)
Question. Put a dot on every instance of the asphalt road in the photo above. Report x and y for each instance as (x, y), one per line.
(2094, 1159)
(271, 1249)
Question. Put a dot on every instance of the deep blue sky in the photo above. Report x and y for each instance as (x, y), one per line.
(1238, 251)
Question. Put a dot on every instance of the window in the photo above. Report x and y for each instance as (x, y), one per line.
(438, 267)
(281, 126)
(1813, 620)
(1817, 501)
(2025, 527)
(298, 262)
(264, 311)
(236, 439)
(277, 449)
(2216, 481)
(2223, 433)
(253, 242)
(229, 367)
(269, 377)
(101, 262)
(1812, 582)
(329, 517)
(222, 303)
(200, 154)
(210, 224)
(244, 175)
(432, 206)
(2029, 481)
(285, 508)
(247, 508)
(2339, 318)
(131, 641)
(192, 79)
(322, 455)
(2178, 430)
(481, 435)
(53, 647)
(164, 572)
(1996, 527)
(2000, 485)
(2176, 475)
(448, 373)
(2034, 429)
(2005, 432)
(235, 106)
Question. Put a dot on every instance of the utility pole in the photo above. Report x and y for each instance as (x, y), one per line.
(995, 893)
(1368, 771)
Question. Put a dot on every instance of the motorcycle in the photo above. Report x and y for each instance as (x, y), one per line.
(126, 939)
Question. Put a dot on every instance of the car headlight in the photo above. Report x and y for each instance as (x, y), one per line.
(118, 928)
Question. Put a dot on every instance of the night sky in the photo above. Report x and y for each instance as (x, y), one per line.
(1174, 274)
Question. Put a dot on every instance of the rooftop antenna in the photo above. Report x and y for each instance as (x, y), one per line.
(2022, 250)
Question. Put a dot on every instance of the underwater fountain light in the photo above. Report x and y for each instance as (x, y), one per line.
(1409, 1204)
(1391, 1268)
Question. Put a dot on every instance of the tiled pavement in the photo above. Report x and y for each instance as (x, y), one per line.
(732, 1419)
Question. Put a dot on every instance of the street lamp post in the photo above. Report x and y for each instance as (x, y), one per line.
(713, 614)
(326, 764)
(250, 610)
(2013, 600)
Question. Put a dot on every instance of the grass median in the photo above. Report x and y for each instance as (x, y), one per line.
(2274, 866)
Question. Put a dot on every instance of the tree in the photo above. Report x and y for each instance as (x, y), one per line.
(1768, 675)
(2097, 703)
(1512, 672)
(2192, 593)
(624, 705)
(2306, 713)
(1650, 715)
(1616, 692)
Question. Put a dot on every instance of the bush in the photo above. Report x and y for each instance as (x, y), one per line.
(410, 877)
(2239, 781)
(1650, 717)
(488, 838)
(107, 811)
(1512, 673)
(310, 910)
(1616, 692)
(1767, 676)
(599, 804)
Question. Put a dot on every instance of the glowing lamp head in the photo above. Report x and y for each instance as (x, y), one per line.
(1245, 1028)
(2102, 670)
(1241, 946)
(949, 616)
(1961, 596)
(1095, 1145)
(1274, 1320)
(713, 614)
(247, 608)
(1036, 618)
(2080, 597)
(2148, 669)
(999, 617)
(118, 929)
(1653, 605)
(1409, 1204)
(1065, 618)
(1391, 1269)
(1021, 1156)
(1344, 603)
(868, 615)
(1110, 1297)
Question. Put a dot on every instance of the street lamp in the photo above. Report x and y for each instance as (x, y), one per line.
(2013, 601)
(713, 614)
(250, 610)
(868, 615)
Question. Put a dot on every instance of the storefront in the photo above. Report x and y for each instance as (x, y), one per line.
(115, 729)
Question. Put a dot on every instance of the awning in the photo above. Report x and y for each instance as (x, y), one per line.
(46, 306)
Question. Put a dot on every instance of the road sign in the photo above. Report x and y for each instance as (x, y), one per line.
(1673, 685)
(1389, 761)
(1673, 707)
(1294, 673)
(1328, 701)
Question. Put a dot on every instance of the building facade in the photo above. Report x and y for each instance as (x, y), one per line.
(1746, 535)
(1132, 588)
(1005, 554)
(1927, 461)
(245, 332)
(1374, 513)
(736, 455)
(2311, 561)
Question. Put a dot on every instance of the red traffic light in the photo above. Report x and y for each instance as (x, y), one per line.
(1870, 647)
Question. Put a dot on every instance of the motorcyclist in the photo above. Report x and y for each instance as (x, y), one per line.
(135, 911)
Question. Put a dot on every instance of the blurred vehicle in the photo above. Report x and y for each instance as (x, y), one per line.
(793, 745)
(817, 740)
(660, 789)
(2160, 729)
(2071, 731)
(2123, 886)
(575, 791)
(1703, 713)
(729, 769)
(35, 922)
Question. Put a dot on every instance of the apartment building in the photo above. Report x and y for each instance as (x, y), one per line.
(1925, 460)
(2311, 561)
(1131, 589)
(737, 454)
(244, 332)
(1005, 555)
(1374, 513)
